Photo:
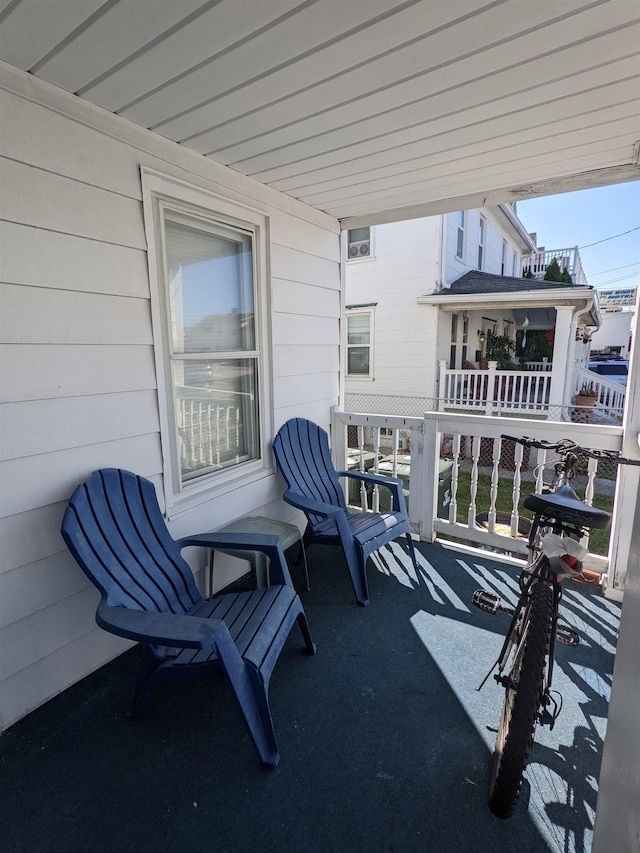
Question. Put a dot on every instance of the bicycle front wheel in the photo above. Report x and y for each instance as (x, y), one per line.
(522, 701)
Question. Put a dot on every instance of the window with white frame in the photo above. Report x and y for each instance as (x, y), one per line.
(358, 243)
(482, 234)
(460, 234)
(208, 330)
(514, 272)
(503, 265)
(359, 343)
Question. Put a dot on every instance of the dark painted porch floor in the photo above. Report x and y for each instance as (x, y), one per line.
(383, 739)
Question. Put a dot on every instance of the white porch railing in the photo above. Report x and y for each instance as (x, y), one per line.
(491, 467)
(543, 365)
(494, 391)
(610, 396)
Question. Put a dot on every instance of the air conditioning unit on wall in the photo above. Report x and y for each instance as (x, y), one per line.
(362, 249)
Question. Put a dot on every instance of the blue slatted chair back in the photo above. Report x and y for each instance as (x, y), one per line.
(302, 452)
(114, 528)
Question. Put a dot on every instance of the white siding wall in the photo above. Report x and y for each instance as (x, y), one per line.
(455, 267)
(78, 385)
(404, 266)
(408, 262)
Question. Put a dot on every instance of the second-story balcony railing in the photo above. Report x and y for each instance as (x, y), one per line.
(568, 259)
(463, 481)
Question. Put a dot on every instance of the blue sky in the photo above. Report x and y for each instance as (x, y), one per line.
(590, 216)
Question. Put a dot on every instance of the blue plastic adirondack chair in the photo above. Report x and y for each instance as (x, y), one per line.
(302, 452)
(114, 528)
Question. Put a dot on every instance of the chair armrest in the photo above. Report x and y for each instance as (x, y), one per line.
(312, 505)
(394, 484)
(266, 543)
(160, 629)
(380, 479)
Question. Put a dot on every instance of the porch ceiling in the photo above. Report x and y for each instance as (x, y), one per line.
(371, 111)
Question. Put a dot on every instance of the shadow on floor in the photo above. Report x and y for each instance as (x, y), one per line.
(384, 741)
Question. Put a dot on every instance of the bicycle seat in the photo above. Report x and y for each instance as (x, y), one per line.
(565, 505)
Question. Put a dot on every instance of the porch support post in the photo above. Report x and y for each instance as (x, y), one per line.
(443, 391)
(563, 348)
(617, 825)
(427, 481)
(492, 401)
(338, 440)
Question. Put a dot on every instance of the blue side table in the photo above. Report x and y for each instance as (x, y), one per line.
(288, 534)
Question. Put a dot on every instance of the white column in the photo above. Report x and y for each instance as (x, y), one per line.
(617, 824)
(562, 351)
(443, 390)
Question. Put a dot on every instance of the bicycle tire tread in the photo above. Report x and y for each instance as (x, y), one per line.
(520, 720)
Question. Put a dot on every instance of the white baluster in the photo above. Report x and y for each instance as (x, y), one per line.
(375, 500)
(473, 487)
(517, 477)
(363, 485)
(493, 490)
(453, 506)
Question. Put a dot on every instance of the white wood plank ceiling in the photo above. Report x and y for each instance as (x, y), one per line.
(371, 110)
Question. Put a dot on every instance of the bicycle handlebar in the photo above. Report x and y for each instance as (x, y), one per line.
(566, 445)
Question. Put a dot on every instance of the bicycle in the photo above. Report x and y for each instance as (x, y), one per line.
(525, 662)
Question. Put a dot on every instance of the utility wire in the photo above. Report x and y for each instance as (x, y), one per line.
(613, 269)
(637, 228)
(614, 280)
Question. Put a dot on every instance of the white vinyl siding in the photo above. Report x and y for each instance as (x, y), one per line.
(78, 389)
(404, 343)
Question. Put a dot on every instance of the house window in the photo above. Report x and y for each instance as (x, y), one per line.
(514, 271)
(359, 340)
(460, 234)
(213, 352)
(206, 267)
(482, 231)
(359, 243)
(503, 265)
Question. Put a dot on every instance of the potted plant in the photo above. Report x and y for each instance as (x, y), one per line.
(499, 348)
(586, 396)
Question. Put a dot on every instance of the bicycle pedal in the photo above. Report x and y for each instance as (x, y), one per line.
(487, 601)
(566, 636)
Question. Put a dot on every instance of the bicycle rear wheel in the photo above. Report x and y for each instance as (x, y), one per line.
(522, 701)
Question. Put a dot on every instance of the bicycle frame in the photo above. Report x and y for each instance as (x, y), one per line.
(537, 569)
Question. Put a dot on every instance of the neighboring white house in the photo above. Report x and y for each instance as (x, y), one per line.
(433, 290)
(618, 322)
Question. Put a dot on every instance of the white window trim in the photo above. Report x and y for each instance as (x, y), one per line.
(160, 190)
(366, 258)
(482, 242)
(462, 228)
(350, 312)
